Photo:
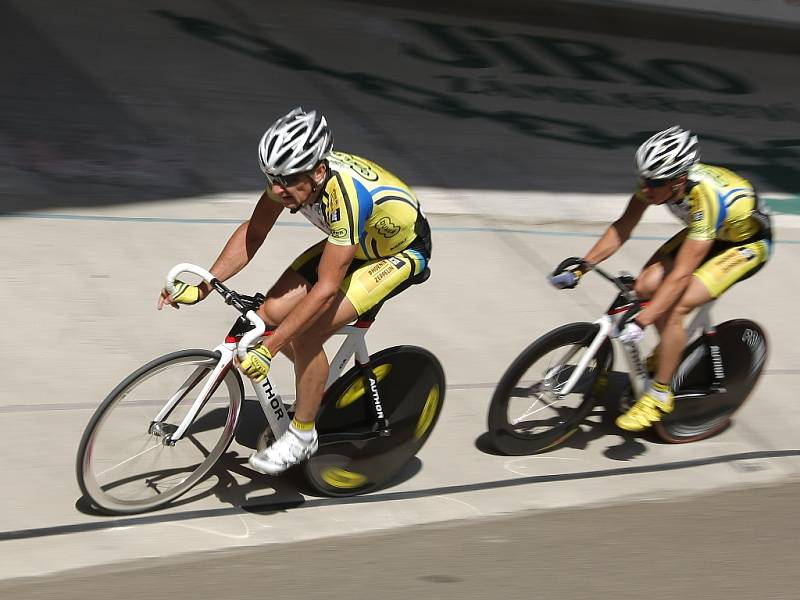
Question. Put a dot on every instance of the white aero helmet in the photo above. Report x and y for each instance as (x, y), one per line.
(667, 154)
(294, 143)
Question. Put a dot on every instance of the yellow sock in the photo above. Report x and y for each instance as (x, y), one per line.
(305, 431)
(300, 426)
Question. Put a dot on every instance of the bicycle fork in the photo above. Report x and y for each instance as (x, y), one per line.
(606, 325)
(172, 434)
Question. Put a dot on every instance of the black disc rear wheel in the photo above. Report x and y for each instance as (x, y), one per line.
(412, 388)
(700, 411)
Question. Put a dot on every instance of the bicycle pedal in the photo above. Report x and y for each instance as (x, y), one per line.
(626, 400)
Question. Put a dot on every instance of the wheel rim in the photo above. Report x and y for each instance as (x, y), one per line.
(126, 465)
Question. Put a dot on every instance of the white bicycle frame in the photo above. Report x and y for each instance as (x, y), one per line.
(270, 401)
(608, 329)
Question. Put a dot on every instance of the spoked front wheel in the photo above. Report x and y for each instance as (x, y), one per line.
(126, 460)
(528, 412)
(412, 388)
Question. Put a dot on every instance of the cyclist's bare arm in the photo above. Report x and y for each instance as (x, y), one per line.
(332, 270)
(617, 233)
(689, 258)
(240, 247)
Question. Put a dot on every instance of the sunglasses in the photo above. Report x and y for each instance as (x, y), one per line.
(654, 183)
(285, 180)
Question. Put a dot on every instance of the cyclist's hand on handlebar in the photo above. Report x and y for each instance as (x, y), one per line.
(257, 363)
(565, 281)
(631, 333)
(568, 273)
(185, 293)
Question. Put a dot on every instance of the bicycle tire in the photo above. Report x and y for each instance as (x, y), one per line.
(411, 383)
(93, 449)
(528, 438)
(697, 415)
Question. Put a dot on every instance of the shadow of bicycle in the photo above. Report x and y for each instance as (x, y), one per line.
(231, 480)
(599, 424)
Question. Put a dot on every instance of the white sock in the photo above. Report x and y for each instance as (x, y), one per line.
(659, 391)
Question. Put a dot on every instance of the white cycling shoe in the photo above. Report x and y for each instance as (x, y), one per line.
(287, 451)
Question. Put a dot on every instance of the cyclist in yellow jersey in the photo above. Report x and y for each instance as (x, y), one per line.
(377, 240)
(728, 238)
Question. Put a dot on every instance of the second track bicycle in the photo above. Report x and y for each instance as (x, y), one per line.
(551, 387)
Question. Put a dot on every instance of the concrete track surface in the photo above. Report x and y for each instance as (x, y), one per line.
(127, 136)
(735, 545)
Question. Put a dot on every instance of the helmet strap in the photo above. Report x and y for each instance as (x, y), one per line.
(677, 186)
(315, 185)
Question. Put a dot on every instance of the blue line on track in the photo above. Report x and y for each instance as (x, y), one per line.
(66, 217)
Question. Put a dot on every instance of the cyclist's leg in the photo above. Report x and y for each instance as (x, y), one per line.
(726, 265)
(673, 332)
(659, 265)
(291, 287)
(650, 278)
(367, 285)
(657, 400)
(308, 355)
(311, 365)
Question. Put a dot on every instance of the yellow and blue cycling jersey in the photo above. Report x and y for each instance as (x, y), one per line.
(720, 205)
(363, 204)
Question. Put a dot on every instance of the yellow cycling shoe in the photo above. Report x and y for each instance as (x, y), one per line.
(645, 412)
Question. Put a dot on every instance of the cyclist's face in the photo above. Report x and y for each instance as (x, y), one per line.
(295, 190)
(663, 190)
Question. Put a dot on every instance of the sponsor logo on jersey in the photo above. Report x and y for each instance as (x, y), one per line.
(386, 228)
(698, 216)
(339, 233)
(335, 215)
(358, 165)
(397, 262)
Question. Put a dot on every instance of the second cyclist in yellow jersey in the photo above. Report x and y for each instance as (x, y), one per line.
(721, 207)
(718, 204)
(726, 239)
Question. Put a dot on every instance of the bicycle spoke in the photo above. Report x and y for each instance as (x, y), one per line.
(565, 359)
(530, 412)
(127, 460)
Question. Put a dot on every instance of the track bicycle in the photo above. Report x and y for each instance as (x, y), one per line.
(552, 386)
(164, 427)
